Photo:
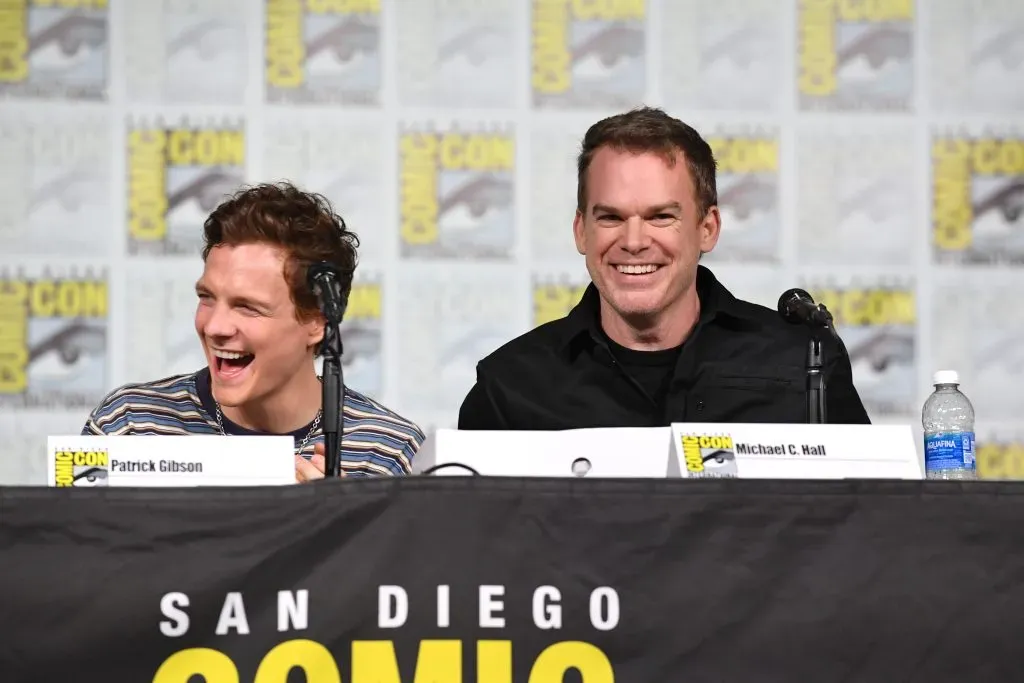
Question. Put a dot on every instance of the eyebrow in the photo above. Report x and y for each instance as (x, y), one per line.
(659, 208)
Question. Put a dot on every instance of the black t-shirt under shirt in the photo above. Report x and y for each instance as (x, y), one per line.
(653, 370)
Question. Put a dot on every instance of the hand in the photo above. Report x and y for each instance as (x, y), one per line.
(312, 469)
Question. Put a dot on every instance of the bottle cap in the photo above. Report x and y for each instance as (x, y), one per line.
(946, 377)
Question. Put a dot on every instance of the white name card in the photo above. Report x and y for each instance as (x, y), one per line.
(200, 460)
(606, 452)
(796, 451)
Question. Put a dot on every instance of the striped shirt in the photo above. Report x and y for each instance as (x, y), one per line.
(376, 441)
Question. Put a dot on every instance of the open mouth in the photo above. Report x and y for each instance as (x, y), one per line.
(640, 269)
(231, 363)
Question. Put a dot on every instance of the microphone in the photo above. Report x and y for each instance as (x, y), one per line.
(322, 278)
(796, 306)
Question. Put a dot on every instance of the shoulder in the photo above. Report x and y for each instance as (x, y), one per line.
(540, 344)
(790, 339)
(380, 431)
(164, 404)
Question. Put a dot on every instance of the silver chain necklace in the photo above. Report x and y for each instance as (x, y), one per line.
(309, 434)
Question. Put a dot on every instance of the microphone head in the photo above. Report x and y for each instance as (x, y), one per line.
(789, 296)
(318, 272)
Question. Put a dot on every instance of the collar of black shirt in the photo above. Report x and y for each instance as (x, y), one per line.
(717, 305)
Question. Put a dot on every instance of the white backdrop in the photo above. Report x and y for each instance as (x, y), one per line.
(871, 151)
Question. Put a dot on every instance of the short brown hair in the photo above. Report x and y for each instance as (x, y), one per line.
(649, 129)
(303, 224)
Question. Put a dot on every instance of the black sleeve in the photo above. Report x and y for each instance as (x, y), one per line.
(843, 404)
(479, 410)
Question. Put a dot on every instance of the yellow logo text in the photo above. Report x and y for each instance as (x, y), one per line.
(286, 49)
(745, 155)
(422, 155)
(206, 147)
(343, 6)
(477, 152)
(375, 661)
(954, 162)
(874, 11)
(607, 10)
(68, 299)
(64, 469)
(71, 4)
(869, 307)
(13, 336)
(66, 461)
(13, 41)
(1000, 460)
(364, 302)
(551, 302)
(817, 35)
(551, 53)
(147, 185)
(418, 177)
(691, 454)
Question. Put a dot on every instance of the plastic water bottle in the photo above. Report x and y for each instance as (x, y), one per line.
(948, 422)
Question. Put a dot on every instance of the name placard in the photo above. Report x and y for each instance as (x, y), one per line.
(796, 451)
(594, 453)
(201, 460)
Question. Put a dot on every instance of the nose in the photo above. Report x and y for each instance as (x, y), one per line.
(635, 238)
(217, 322)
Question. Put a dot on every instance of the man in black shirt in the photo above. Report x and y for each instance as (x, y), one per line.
(656, 338)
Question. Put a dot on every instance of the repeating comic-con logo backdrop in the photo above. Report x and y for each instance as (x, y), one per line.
(869, 151)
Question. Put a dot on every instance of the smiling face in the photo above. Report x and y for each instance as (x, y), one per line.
(258, 351)
(641, 233)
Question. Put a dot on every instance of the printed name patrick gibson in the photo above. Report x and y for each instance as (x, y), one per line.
(156, 466)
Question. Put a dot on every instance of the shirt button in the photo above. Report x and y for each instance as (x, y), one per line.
(700, 406)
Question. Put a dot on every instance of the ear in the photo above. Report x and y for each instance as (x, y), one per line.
(315, 330)
(578, 233)
(709, 230)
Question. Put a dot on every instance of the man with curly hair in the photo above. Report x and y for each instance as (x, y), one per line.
(260, 328)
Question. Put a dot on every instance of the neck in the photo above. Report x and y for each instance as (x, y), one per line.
(666, 329)
(291, 408)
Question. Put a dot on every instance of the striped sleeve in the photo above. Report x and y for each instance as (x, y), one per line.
(167, 406)
(378, 441)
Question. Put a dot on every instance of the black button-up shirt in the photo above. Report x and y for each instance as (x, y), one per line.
(741, 363)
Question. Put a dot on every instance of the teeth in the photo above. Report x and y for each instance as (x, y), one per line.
(229, 355)
(637, 270)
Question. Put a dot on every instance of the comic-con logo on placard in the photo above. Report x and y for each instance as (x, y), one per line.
(76, 467)
(457, 193)
(588, 53)
(978, 199)
(361, 332)
(748, 195)
(53, 340)
(855, 55)
(553, 298)
(177, 175)
(878, 326)
(322, 51)
(708, 456)
(54, 48)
